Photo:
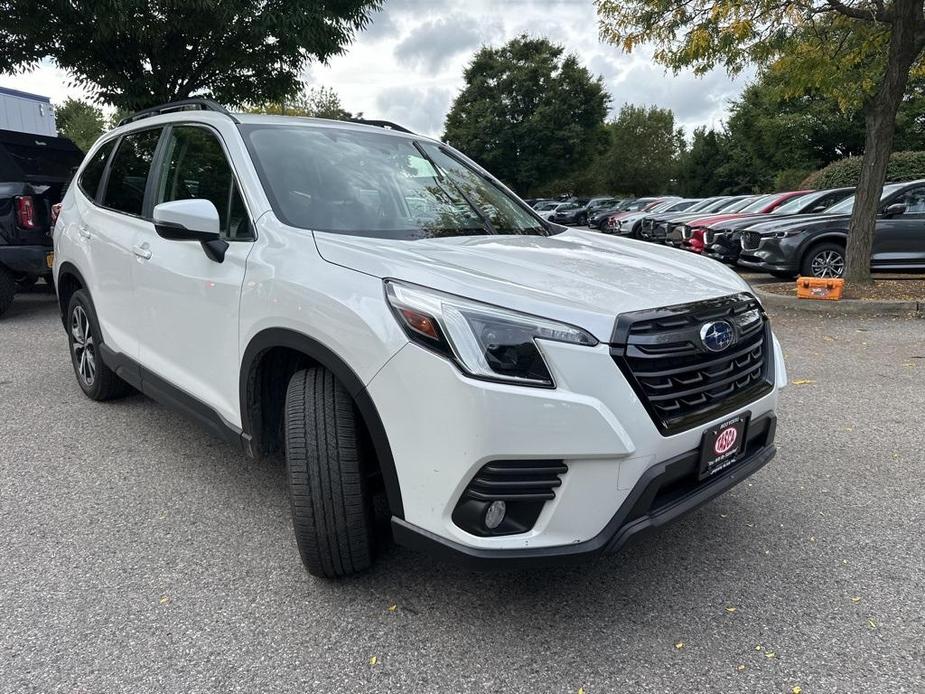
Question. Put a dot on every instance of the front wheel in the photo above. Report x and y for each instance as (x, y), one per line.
(824, 260)
(331, 504)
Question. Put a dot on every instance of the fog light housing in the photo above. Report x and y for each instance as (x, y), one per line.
(495, 514)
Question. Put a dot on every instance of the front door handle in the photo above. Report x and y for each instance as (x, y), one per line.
(142, 251)
(83, 230)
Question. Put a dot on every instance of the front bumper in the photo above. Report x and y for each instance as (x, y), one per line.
(773, 254)
(665, 492)
(444, 427)
(26, 260)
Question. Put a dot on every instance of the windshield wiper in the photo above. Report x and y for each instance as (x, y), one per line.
(486, 223)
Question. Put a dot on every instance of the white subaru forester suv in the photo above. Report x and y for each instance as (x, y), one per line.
(382, 312)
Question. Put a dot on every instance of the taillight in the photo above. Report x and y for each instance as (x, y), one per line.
(25, 212)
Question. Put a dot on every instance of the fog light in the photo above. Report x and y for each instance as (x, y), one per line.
(495, 514)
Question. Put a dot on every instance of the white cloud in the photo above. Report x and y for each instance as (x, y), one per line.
(408, 64)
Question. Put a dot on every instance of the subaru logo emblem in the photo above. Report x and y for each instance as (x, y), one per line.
(717, 336)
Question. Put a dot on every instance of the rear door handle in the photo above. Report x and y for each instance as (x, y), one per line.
(83, 230)
(142, 252)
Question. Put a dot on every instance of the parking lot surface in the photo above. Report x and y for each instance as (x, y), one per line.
(137, 554)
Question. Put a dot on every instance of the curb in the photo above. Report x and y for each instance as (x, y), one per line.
(855, 307)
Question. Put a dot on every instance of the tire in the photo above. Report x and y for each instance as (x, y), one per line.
(7, 289)
(783, 275)
(331, 506)
(824, 260)
(96, 380)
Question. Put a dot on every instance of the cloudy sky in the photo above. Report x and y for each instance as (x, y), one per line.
(408, 65)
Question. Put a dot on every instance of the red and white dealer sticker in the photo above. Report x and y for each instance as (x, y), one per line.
(722, 445)
(726, 440)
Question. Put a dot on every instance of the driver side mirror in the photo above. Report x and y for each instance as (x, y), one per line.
(897, 208)
(191, 220)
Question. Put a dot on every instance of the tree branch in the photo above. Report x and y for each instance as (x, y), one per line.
(879, 15)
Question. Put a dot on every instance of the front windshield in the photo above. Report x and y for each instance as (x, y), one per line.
(847, 205)
(759, 204)
(800, 202)
(373, 184)
(739, 205)
(546, 206)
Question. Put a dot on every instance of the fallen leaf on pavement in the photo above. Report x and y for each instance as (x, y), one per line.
(797, 690)
(730, 610)
(803, 382)
(856, 599)
(679, 645)
(373, 660)
(393, 607)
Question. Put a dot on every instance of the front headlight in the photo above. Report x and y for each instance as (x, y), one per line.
(485, 341)
(786, 234)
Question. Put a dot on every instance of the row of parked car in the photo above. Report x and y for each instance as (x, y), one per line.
(802, 232)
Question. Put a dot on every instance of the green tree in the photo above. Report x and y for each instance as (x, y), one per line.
(314, 102)
(138, 53)
(80, 122)
(861, 52)
(529, 113)
(643, 151)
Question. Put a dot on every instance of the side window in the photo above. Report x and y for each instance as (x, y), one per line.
(195, 167)
(89, 180)
(913, 199)
(128, 174)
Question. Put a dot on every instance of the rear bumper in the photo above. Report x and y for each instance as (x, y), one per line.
(665, 492)
(26, 260)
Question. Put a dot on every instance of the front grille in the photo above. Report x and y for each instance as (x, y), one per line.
(516, 480)
(682, 383)
(750, 240)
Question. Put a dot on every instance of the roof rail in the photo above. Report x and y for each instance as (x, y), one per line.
(388, 125)
(197, 104)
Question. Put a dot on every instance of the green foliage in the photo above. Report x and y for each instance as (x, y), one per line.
(528, 113)
(643, 151)
(314, 102)
(138, 53)
(903, 166)
(80, 122)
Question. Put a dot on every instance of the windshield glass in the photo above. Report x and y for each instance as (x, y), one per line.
(738, 205)
(846, 205)
(794, 205)
(544, 206)
(759, 204)
(373, 184)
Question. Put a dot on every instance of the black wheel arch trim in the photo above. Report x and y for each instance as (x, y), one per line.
(282, 337)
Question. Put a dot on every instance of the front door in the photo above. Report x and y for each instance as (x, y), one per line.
(900, 239)
(189, 302)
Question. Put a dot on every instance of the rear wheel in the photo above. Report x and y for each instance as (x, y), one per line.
(825, 260)
(97, 380)
(331, 505)
(7, 289)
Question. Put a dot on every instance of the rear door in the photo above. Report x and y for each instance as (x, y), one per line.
(188, 303)
(109, 229)
(900, 240)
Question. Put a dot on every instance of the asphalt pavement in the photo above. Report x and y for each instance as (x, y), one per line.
(137, 554)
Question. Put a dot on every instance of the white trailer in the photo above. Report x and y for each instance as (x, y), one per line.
(26, 113)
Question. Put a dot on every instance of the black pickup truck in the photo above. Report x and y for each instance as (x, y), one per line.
(34, 173)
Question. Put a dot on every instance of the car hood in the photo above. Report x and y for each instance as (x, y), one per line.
(579, 277)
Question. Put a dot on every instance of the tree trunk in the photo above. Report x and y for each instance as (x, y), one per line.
(906, 43)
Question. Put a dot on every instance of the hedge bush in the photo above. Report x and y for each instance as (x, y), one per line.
(904, 166)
